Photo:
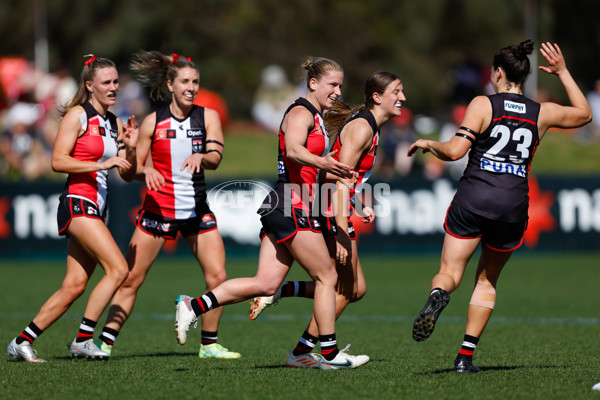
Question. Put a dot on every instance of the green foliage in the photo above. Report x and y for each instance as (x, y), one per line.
(541, 342)
(232, 41)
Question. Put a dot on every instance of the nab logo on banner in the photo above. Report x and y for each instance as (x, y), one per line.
(34, 217)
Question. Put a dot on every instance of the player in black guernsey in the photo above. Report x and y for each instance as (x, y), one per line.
(502, 132)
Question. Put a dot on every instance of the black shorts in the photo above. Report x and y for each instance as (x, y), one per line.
(157, 225)
(71, 207)
(497, 235)
(330, 228)
(284, 227)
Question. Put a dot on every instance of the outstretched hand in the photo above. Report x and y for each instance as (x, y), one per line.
(330, 164)
(419, 144)
(556, 61)
(131, 132)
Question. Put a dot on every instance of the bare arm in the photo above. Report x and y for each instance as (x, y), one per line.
(555, 115)
(153, 179)
(215, 141)
(298, 122)
(476, 118)
(68, 132)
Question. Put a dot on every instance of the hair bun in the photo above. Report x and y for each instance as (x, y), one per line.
(524, 49)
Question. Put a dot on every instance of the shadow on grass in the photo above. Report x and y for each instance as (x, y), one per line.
(123, 357)
(494, 368)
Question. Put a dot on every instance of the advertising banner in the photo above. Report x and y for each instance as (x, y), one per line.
(564, 215)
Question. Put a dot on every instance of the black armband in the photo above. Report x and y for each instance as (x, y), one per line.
(121, 147)
(464, 128)
(216, 151)
(215, 141)
(466, 137)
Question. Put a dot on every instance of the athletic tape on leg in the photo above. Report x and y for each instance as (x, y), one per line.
(484, 296)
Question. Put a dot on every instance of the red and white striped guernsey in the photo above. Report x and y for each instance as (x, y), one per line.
(98, 143)
(173, 142)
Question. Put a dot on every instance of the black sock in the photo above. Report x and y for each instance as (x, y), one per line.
(293, 289)
(109, 335)
(329, 347)
(306, 344)
(468, 346)
(86, 330)
(29, 334)
(208, 337)
(204, 303)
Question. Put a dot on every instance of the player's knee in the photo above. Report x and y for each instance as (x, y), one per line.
(72, 290)
(484, 296)
(360, 293)
(214, 280)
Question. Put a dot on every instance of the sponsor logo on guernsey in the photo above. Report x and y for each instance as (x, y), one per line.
(164, 226)
(207, 217)
(280, 168)
(94, 131)
(91, 211)
(114, 134)
(102, 131)
(171, 133)
(503, 167)
(514, 107)
(195, 133)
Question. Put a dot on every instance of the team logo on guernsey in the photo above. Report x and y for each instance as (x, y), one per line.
(165, 134)
(514, 107)
(197, 146)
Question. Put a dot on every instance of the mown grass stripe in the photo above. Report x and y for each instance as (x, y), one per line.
(343, 318)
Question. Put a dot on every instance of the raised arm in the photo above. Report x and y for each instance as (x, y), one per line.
(555, 115)
(127, 142)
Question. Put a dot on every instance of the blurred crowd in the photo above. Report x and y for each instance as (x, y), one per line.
(31, 102)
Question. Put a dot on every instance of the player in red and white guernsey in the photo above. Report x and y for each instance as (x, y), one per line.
(90, 141)
(502, 132)
(289, 229)
(182, 140)
(355, 145)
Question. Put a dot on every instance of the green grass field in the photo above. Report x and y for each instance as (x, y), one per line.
(252, 153)
(543, 340)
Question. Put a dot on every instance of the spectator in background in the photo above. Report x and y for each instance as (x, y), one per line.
(397, 137)
(132, 98)
(24, 155)
(454, 168)
(272, 97)
(214, 101)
